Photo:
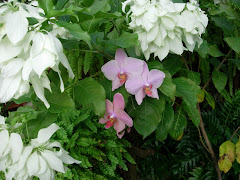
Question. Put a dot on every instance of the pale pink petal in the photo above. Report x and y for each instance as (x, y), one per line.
(118, 102)
(145, 72)
(109, 107)
(124, 117)
(120, 135)
(119, 126)
(116, 84)
(133, 66)
(120, 57)
(103, 121)
(154, 93)
(156, 77)
(133, 85)
(110, 70)
(140, 96)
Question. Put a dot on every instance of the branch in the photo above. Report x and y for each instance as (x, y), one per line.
(204, 133)
(235, 132)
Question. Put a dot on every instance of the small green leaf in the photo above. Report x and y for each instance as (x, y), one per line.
(210, 99)
(87, 62)
(166, 123)
(214, 51)
(194, 76)
(178, 124)
(234, 43)
(90, 92)
(168, 88)
(149, 115)
(193, 113)
(226, 95)
(219, 80)
(47, 6)
(172, 64)
(129, 158)
(125, 40)
(203, 49)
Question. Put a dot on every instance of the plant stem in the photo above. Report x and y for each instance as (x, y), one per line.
(235, 132)
(204, 133)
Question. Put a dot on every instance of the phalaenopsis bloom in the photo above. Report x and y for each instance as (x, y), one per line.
(146, 84)
(116, 116)
(122, 68)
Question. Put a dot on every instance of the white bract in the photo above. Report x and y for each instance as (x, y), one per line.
(41, 158)
(26, 52)
(163, 26)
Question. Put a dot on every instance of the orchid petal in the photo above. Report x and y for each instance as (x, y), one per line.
(16, 26)
(116, 83)
(119, 126)
(109, 107)
(111, 70)
(140, 96)
(120, 57)
(156, 77)
(46, 133)
(103, 121)
(154, 93)
(118, 102)
(134, 85)
(145, 72)
(133, 66)
(53, 161)
(124, 117)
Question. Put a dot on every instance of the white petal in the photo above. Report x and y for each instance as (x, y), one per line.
(16, 145)
(33, 164)
(65, 63)
(13, 67)
(176, 46)
(23, 89)
(54, 162)
(25, 154)
(34, 12)
(163, 51)
(17, 27)
(4, 136)
(43, 61)
(39, 90)
(45, 82)
(68, 159)
(43, 165)
(38, 44)
(26, 41)
(50, 44)
(168, 22)
(2, 120)
(47, 175)
(27, 69)
(8, 50)
(151, 35)
(46, 133)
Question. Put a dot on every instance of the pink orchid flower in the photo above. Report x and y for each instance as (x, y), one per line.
(146, 84)
(116, 116)
(122, 68)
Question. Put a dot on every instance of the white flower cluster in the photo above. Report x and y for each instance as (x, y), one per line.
(163, 26)
(27, 52)
(41, 158)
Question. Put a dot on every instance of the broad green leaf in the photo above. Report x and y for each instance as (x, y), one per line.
(43, 120)
(236, 2)
(188, 90)
(155, 65)
(194, 76)
(47, 6)
(210, 99)
(179, 124)
(236, 62)
(224, 164)
(149, 115)
(225, 24)
(219, 80)
(60, 4)
(63, 12)
(228, 149)
(99, 5)
(234, 43)
(125, 40)
(203, 49)
(59, 101)
(76, 31)
(90, 92)
(168, 88)
(87, 62)
(193, 113)
(166, 123)
(172, 64)
(214, 51)
(226, 95)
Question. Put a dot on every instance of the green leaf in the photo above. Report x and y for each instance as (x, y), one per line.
(203, 49)
(172, 64)
(166, 123)
(188, 90)
(234, 43)
(60, 4)
(129, 158)
(87, 62)
(43, 120)
(149, 115)
(194, 76)
(226, 95)
(168, 88)
(63, 12)
(90, 92)
(214, 51)
(47, 6)
(76, 31)
(155, 65)
(219, 80)
(193, 113)
(99, 5)
(236, 62)
(125, 40)
(210, 99)
(178, 124)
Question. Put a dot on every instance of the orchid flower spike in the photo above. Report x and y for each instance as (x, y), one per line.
(116, 116)
(146, 84)
(122, 68)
